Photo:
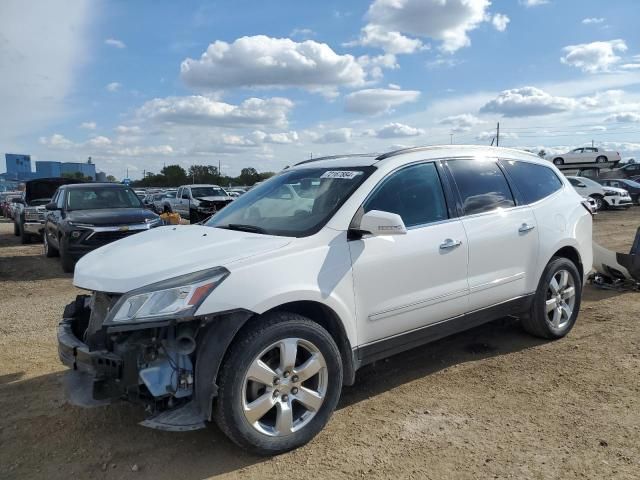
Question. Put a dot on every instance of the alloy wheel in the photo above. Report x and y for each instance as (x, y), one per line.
(561, 299)
(284, 387)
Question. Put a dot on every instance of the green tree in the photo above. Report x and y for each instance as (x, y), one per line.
(111, 178)
(174, 175)
(249, 176)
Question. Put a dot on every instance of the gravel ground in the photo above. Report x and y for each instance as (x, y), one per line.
(489, 403)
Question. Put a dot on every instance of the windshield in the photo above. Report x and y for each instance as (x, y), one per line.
(632, 183)
(198, 192)
(169, 195)
(295, 203)
(92, 198)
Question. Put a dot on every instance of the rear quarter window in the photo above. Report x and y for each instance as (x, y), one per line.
(533, 182)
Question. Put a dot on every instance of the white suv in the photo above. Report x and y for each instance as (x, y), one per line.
(259, 317)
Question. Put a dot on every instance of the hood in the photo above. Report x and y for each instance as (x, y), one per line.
(167, 252)
(608, 189)
(44, 188)
(111, 216)
(217, 198)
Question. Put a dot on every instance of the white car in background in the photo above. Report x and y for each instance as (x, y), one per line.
(586, 155)
(604, 196)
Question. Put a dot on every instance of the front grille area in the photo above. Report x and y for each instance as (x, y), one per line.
(218, 205)
(102, 238)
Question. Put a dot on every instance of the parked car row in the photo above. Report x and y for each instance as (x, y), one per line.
(607, 193)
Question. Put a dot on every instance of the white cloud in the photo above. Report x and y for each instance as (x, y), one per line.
(398, 130)
(112, 42)
(113, 86)
(126, 130)
(594, 57)
(446, 20)
(99, 141)
(533, 3)
(43, 47)
(624, 117)
(461, 123)
(201, 110)
(500, 22)
(340, 135)
(88, 125)
(592, 20)
(302, 33)
(489, 134)
(262, 61)
(282, 138)
(378, 100)
(56, 141)
(391, 42)
(630, 66)
(527, 101)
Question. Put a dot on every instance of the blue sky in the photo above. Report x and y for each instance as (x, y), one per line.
(136, 85)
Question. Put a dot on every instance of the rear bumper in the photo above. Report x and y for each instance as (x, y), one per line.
(618, 201)
(33, 228)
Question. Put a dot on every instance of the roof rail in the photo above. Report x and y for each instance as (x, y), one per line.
(406, 150)
(434, 147)
(333, 157)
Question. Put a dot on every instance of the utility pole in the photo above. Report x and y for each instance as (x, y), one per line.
(451, 138)
(498, 135)
(591, 143)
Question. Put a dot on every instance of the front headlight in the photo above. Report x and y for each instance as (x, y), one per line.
(174, 298)
(153, 222)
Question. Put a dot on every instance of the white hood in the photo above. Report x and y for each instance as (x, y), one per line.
(167, 252)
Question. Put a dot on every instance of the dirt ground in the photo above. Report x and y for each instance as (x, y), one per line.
(489, 403)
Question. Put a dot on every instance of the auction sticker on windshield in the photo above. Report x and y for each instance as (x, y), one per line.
(344, 174)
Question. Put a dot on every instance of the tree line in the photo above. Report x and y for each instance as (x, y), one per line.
(175, 175)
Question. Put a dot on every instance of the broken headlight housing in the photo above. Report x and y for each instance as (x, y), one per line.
(177, 297)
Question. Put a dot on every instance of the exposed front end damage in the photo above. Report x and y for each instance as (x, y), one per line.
(157, 365)
(617, 270)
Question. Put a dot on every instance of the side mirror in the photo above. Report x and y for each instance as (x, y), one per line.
(51, 206)
(380, 223)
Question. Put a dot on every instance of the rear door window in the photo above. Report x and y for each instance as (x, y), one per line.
(481, 184)
(534, 182)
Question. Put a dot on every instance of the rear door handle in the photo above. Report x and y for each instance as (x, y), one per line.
(525, 227)
(449, 243)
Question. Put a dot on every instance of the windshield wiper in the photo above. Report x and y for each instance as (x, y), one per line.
(243, 228)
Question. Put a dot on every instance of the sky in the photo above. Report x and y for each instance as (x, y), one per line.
(265, 84)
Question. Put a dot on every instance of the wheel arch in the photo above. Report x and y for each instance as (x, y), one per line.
(571, 253)
(326, 317)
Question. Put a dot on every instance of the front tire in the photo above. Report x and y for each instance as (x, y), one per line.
(600, 203)
(558, 161)
(279, 384)
(49, 251)
(16, 229)
(556, 303)
(68, 263)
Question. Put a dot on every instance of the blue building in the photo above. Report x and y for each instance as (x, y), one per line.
(18, 167)
(87, 169)
(46, 169)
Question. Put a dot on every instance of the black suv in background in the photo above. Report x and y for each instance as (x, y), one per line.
(29, 220)
(83, 217)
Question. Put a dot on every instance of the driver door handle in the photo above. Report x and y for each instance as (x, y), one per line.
(449, 243)
(525, 227)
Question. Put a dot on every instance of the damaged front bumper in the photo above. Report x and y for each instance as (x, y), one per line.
(145, 366)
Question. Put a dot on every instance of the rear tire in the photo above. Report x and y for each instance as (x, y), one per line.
(601, 159)
(49, 251)
(556, 303)
(25, 238)
(558, 161)
(16, 229)
(295, 409)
